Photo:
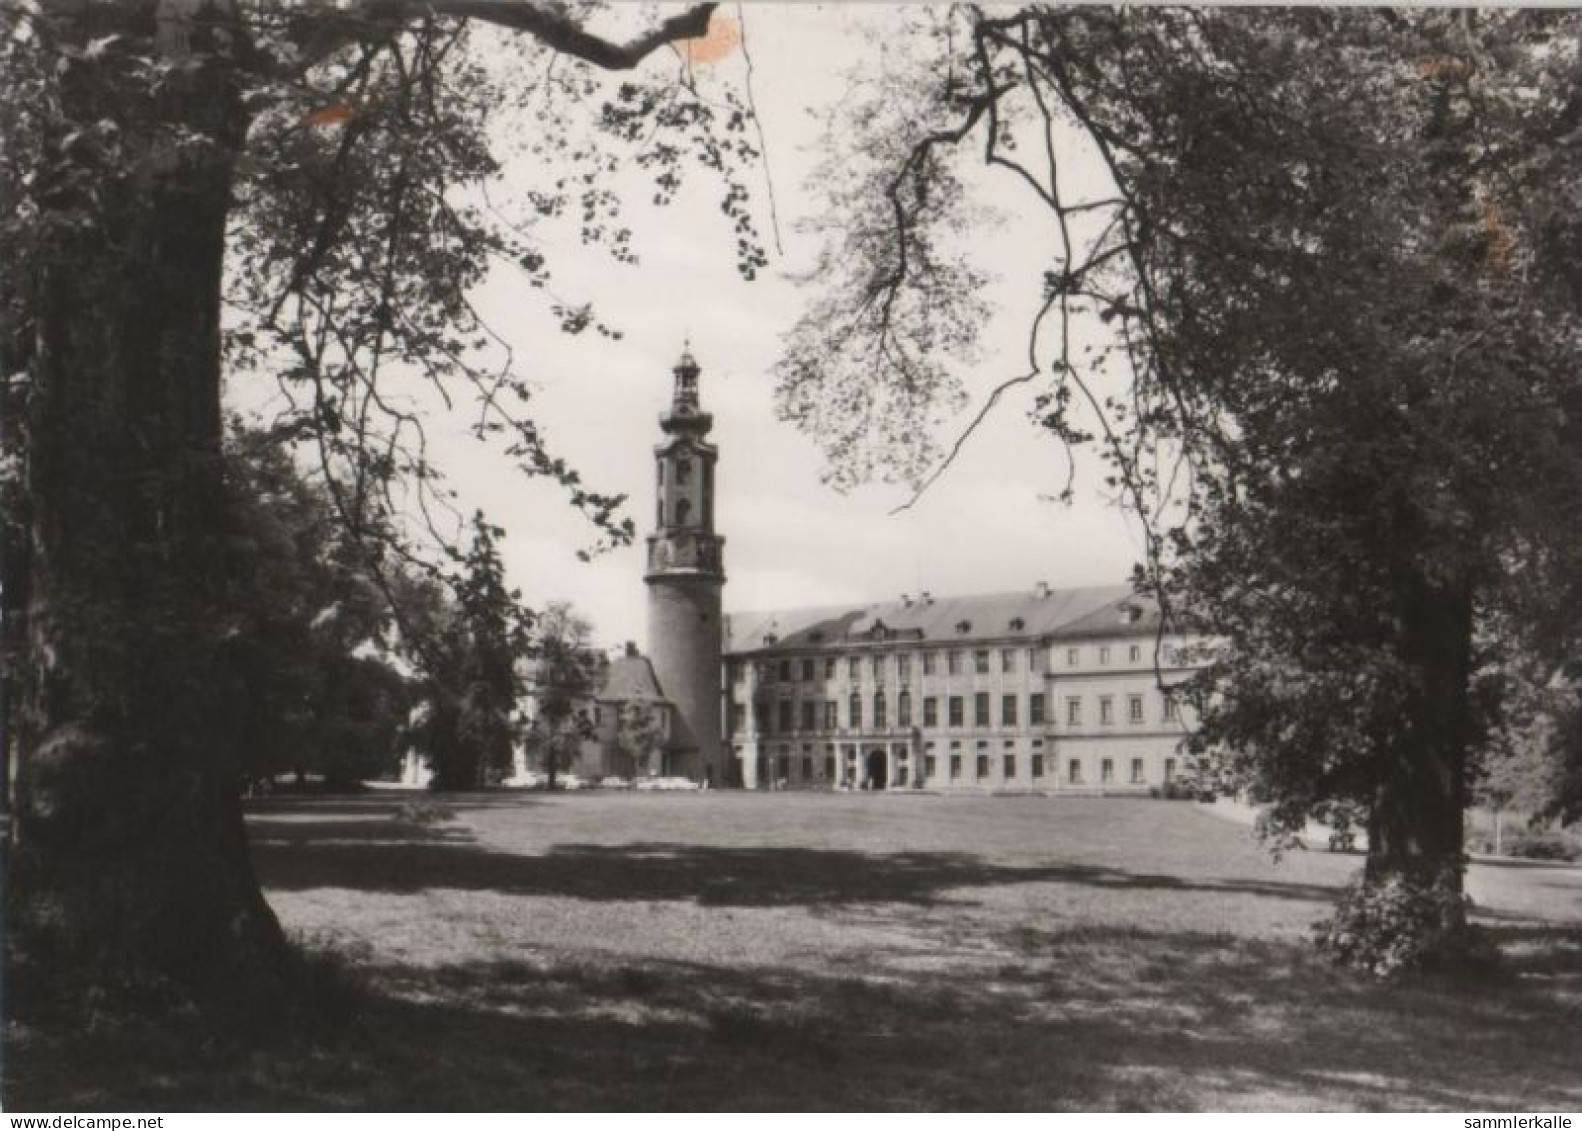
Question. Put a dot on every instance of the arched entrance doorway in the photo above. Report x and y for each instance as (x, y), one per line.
(875, 776)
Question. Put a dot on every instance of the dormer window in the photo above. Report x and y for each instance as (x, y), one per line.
(816, 636)
(770, 639)
(963, 627)
(1017, 624)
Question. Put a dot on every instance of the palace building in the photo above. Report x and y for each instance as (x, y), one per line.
(1048, 690)
(1043, 691)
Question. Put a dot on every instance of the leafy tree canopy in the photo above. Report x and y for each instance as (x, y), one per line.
(1321, 318)
(321, 688)
(197, 187)
(562, 678)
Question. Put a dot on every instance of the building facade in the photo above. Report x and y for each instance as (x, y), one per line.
(627, 726)
(1048, 691)
(629, 729)
(1043, 691)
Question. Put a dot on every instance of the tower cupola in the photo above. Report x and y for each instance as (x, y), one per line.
(686, 394)
(685, 415)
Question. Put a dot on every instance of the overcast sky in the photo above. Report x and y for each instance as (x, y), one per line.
(790, 540)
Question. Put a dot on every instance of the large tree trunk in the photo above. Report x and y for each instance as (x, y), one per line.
(1418, 822)
(128, 851)
(1408, 909)
(14, 574)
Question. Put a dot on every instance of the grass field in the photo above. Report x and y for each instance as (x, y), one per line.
(801, 951)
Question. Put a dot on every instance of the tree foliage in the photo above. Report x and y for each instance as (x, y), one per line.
(471, 645)
(637, 733)
(1321, 319)
(871, 368)
(562, 680)
(370, 208)
(319, 174)
(322, 689)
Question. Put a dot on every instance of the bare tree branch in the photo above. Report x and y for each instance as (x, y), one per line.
(964, 436)
(324, 32)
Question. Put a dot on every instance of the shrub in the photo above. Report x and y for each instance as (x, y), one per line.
(1542, 846)
(423, 813)
(1528, 845)
(1401, 923)
(1480, 844)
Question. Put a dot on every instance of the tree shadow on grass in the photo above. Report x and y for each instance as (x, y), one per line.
(401, 858)
(1543, 953)
(1523, 864)
(266, 836)
(1082, 1019)
(382, 804)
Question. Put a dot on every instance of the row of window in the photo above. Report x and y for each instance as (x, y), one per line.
(785, 719)
(1134, 709)
(1074, 766)
(1010, 764)
(1074, 769)
(807, 669)
(1134, 655)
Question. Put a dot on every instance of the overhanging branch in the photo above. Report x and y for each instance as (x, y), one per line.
(326, 32)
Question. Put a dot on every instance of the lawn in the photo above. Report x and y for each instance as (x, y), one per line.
(803, 951)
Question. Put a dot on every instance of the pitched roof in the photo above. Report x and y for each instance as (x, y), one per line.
(1130, 616)
(630, 679)
(1029, 615)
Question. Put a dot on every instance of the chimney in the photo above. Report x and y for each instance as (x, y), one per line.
(925, 597)
(906, 600)
(631, 648)
(1041, 590)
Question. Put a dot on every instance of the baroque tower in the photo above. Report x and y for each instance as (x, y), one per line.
(685, 578)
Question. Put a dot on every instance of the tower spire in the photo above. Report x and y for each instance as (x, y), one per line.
(686, 414)
(686, 371)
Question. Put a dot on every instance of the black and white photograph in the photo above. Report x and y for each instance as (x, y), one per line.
(565, 556)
